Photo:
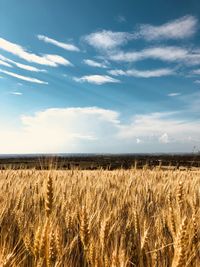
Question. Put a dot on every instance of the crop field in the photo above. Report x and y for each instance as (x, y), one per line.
(100, 218)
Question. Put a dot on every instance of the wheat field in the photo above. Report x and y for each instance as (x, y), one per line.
(100, 218)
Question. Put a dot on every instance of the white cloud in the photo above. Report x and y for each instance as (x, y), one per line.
(164, 53)
(19, 65)
(94, 63)
(197, 81)
(48, 60)
(106, 40)
(5, 64)
(61, 130)
(96, 79)
(24, 78)
(92, 129)
(157, 127)
(196, 72)
(164, 138)
(27, 67)
(16, 93)
(69, 47)
(181, 28)
(143, 73)
(174, 94)
(138, 140)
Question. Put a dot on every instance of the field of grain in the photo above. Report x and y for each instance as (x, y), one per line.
(100, 218)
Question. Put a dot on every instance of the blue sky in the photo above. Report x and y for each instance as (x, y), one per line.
(99, 76)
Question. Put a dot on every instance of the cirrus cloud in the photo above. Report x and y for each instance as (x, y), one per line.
(174, 94)
(19, 65)
(21, 52)
(143, 73)
(5, 64)
(181, 28)
(171, 54)
(22, 77)
(97, 79)
(94, 63)
(16, 93)
(69, 47)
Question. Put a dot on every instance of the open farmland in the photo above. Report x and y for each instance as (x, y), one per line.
(100, 218)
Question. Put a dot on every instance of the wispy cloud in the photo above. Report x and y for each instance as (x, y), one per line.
(16, 93)
(48, 60)
(24, 78)
(174, 94)
(164, 53)
(197, 81)
(96, 79)
(27, 67)
(106, 40)
(181, 28)
(94, 63)
(143, 73)
(196, 72)
(66, 46)
(121, 19)
(20, 65)
(5, 64)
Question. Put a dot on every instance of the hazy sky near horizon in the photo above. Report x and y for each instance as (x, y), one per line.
(99, 76)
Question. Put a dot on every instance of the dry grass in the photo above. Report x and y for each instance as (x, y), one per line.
(100, 218)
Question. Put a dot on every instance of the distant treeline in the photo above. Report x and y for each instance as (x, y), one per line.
(125, 161)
